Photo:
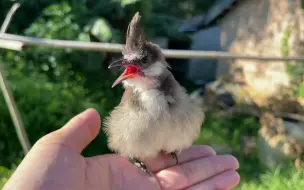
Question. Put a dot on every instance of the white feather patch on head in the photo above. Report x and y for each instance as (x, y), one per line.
(132, 56)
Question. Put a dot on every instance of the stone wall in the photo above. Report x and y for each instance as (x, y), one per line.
(257, 27)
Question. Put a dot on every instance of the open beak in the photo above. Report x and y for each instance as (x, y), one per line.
(128, 72)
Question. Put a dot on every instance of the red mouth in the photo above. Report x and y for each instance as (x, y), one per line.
(130, 69)
(129, 72)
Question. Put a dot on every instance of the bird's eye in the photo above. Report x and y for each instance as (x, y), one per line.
(144, 59)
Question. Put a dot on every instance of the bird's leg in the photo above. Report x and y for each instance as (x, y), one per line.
(141, 165)
(174, 155)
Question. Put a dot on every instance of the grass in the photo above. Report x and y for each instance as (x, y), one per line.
(254, 176)
(301, 91)
(230, 132)
(276, 180)
(4, 175)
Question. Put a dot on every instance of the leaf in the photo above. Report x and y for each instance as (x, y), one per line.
(57, 9)
(83, 36)
(102, 30)
(301, 91)
(124, 3)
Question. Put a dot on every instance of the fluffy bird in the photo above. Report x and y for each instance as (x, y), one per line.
(155, 115)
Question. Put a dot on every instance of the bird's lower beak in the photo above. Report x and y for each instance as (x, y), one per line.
(128, 73)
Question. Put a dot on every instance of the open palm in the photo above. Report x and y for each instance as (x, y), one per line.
(55, 162)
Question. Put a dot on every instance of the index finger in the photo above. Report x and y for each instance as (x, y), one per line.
(166, 160)
(191, 173)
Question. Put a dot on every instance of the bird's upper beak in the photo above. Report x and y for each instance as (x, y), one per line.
(117, 63)
(129, 71)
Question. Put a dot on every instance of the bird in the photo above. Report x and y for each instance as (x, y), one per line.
(156, 114)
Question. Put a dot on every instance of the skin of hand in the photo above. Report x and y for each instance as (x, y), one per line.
(55, 162)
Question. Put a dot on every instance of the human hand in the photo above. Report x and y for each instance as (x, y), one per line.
(55, 162)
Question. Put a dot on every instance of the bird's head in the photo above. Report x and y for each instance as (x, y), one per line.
(141, 59)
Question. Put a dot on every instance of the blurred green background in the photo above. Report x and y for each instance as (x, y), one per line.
(52, 85)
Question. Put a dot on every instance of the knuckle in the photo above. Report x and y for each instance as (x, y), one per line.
(46, 139)
(189, 173)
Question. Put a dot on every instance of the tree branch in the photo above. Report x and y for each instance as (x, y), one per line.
(8, 17)
(8, 44)
(11, 45)
(9, 99)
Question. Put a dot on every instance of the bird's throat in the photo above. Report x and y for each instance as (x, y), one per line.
(141, 84)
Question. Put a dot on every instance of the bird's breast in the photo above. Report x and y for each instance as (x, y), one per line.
(154, 102)
(143, 94)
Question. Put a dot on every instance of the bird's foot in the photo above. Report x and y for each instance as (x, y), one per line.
(141, 165)
(174, 155)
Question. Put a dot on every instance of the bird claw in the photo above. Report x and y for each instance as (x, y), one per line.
(174, 155)
(141, 165)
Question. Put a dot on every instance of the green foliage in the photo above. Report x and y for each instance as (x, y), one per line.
(4, 175)
(101, 30)
(230, 131)
(45, 106)
(295, 70)
(254, 175)
(285, 41)
(301, 91)
(278, 179)
(56, 20)
(124, 3)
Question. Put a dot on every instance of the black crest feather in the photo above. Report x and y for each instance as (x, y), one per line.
(135, 39)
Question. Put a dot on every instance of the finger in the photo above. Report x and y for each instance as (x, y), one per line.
(226, 180)
(166, 160)
(78, 132)
(190, 173)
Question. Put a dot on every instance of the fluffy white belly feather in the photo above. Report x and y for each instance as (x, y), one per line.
(145, 132)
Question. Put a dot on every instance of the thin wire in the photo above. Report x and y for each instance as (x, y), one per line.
(117, 48)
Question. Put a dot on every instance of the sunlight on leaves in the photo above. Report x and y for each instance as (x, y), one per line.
(83, 36)
(101, 30)
(301, 91)
(124, 3)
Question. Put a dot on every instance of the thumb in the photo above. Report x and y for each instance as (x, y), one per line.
(78, 132)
